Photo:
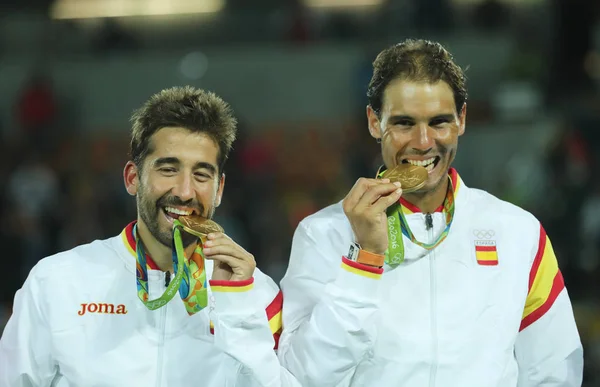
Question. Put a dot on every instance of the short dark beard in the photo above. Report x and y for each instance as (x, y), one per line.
(150, 212)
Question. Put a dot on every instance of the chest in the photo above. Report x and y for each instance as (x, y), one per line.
(468, 291)
(109, 338)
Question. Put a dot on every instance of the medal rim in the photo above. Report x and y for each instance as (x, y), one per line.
(187, 220)
(412, 188)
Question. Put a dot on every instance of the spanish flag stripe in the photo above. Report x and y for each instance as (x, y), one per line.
(409, 208)
(361, 267)
(485, 248)
(538, 256)
(455, 180)
(130, 236)
(129, 242)
(545, 282)
(542, 284)
(275, 306)
(231, 289)
(488, 263)
(557, 286)
(127, 237)
(276, 338)
(223, 283)
(275, 323)
(486, 256)
(361, 272)
(274, 315)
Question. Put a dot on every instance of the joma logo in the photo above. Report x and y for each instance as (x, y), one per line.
(102, 308)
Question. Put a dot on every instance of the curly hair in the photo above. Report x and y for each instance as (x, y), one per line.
(187, 107)
(416, 60)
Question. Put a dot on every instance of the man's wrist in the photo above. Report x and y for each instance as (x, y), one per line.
(364, 257)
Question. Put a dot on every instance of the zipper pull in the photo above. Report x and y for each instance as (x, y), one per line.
(428, 221)
(167, 278)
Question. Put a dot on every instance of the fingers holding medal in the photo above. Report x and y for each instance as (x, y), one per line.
(365, 207)
(232, 262)
(366, 204)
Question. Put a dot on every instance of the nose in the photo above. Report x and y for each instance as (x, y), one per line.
(423, 138)
(184, 188)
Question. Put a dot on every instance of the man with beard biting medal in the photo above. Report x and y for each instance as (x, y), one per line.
(415, 279)
(171, 301)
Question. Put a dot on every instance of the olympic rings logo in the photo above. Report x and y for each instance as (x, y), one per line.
(484, 234)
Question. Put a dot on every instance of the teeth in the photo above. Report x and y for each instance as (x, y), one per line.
(422, 163)
(177, 211)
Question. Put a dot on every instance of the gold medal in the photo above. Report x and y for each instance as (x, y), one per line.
(411, 177)
(199, 226)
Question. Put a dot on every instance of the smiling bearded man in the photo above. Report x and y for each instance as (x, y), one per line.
(202, 314)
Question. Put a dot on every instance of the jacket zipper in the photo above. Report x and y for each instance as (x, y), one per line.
(432, 303)
(161, 340)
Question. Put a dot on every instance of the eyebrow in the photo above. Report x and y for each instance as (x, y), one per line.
(448, 117)
(175, 161)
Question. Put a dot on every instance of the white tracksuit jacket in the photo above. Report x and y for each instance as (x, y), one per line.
(453, 317)
(78, 322)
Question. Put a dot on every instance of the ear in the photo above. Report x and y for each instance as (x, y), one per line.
(374, 124)
(220, 190)
(131, 178)
(462, 119)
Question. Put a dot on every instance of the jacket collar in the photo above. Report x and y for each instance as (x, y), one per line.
(457, 183)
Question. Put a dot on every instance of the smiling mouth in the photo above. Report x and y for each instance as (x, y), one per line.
(172, 213)
(428, 164)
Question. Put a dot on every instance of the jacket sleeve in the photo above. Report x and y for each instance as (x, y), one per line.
(330, 311)
(25, 348)
(248, 329)
(548, 348)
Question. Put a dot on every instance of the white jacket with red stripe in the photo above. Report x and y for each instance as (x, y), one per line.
(487, 307)
(78, 322)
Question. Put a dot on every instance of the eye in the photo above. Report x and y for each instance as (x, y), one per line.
(202, 176)
(439, 122)
(168, 170)
(402, 122)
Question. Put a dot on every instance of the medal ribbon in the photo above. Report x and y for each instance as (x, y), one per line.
(398, 226)
(190, 276)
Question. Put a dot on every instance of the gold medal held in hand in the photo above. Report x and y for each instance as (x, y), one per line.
(198, 225)
(411, 177)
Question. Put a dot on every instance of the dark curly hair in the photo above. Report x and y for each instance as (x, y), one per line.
(194, 109)
(416, 60)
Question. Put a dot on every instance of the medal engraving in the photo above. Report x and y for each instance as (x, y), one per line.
(411, 177)
(199, 226)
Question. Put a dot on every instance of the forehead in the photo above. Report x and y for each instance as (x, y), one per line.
(418, 99)
(183, 144)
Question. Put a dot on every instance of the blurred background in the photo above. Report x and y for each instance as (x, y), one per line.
(295, 72)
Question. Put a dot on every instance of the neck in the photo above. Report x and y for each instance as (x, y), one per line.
(428, 202)
(161, 254)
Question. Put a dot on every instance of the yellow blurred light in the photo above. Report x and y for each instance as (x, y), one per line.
(341, 3)
(78, 9)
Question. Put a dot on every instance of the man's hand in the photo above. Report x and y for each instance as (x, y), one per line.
(232, 262)
(365, 207)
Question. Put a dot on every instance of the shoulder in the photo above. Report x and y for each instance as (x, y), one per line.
(75, 264)
(512, 221)
(485, 204)
(328, 225)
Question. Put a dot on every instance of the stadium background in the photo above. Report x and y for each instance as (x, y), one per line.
(295, 72)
